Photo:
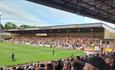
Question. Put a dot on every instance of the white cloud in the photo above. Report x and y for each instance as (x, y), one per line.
(13, 11)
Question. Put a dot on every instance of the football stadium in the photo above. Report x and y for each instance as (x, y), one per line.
(86, 46)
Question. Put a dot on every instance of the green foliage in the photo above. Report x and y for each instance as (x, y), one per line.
(28, 54)
(24, 26)
(10, 25)
(27, 26)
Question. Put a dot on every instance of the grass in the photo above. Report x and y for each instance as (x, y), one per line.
(28, 54)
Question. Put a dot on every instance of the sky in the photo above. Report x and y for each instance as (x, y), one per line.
(25, 12)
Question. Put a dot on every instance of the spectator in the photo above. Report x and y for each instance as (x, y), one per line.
(95, 63)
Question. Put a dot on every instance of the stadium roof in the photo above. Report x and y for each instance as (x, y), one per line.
(98, 9)
(90, 25)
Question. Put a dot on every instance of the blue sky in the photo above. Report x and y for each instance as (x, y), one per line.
(25, 12)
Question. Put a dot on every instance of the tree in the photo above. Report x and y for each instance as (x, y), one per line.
(24, 26)
(10, 25)
(27, 26)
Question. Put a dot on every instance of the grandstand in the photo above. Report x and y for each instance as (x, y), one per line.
(100, 32)
(104, 31)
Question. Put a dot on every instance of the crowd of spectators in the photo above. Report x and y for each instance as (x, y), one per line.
(57, 41)
(89, 62)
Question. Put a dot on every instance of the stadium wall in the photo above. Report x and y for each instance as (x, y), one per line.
(108, 34)
(113, 45)
(80, 34)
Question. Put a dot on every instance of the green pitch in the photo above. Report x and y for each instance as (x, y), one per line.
(28, 54)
